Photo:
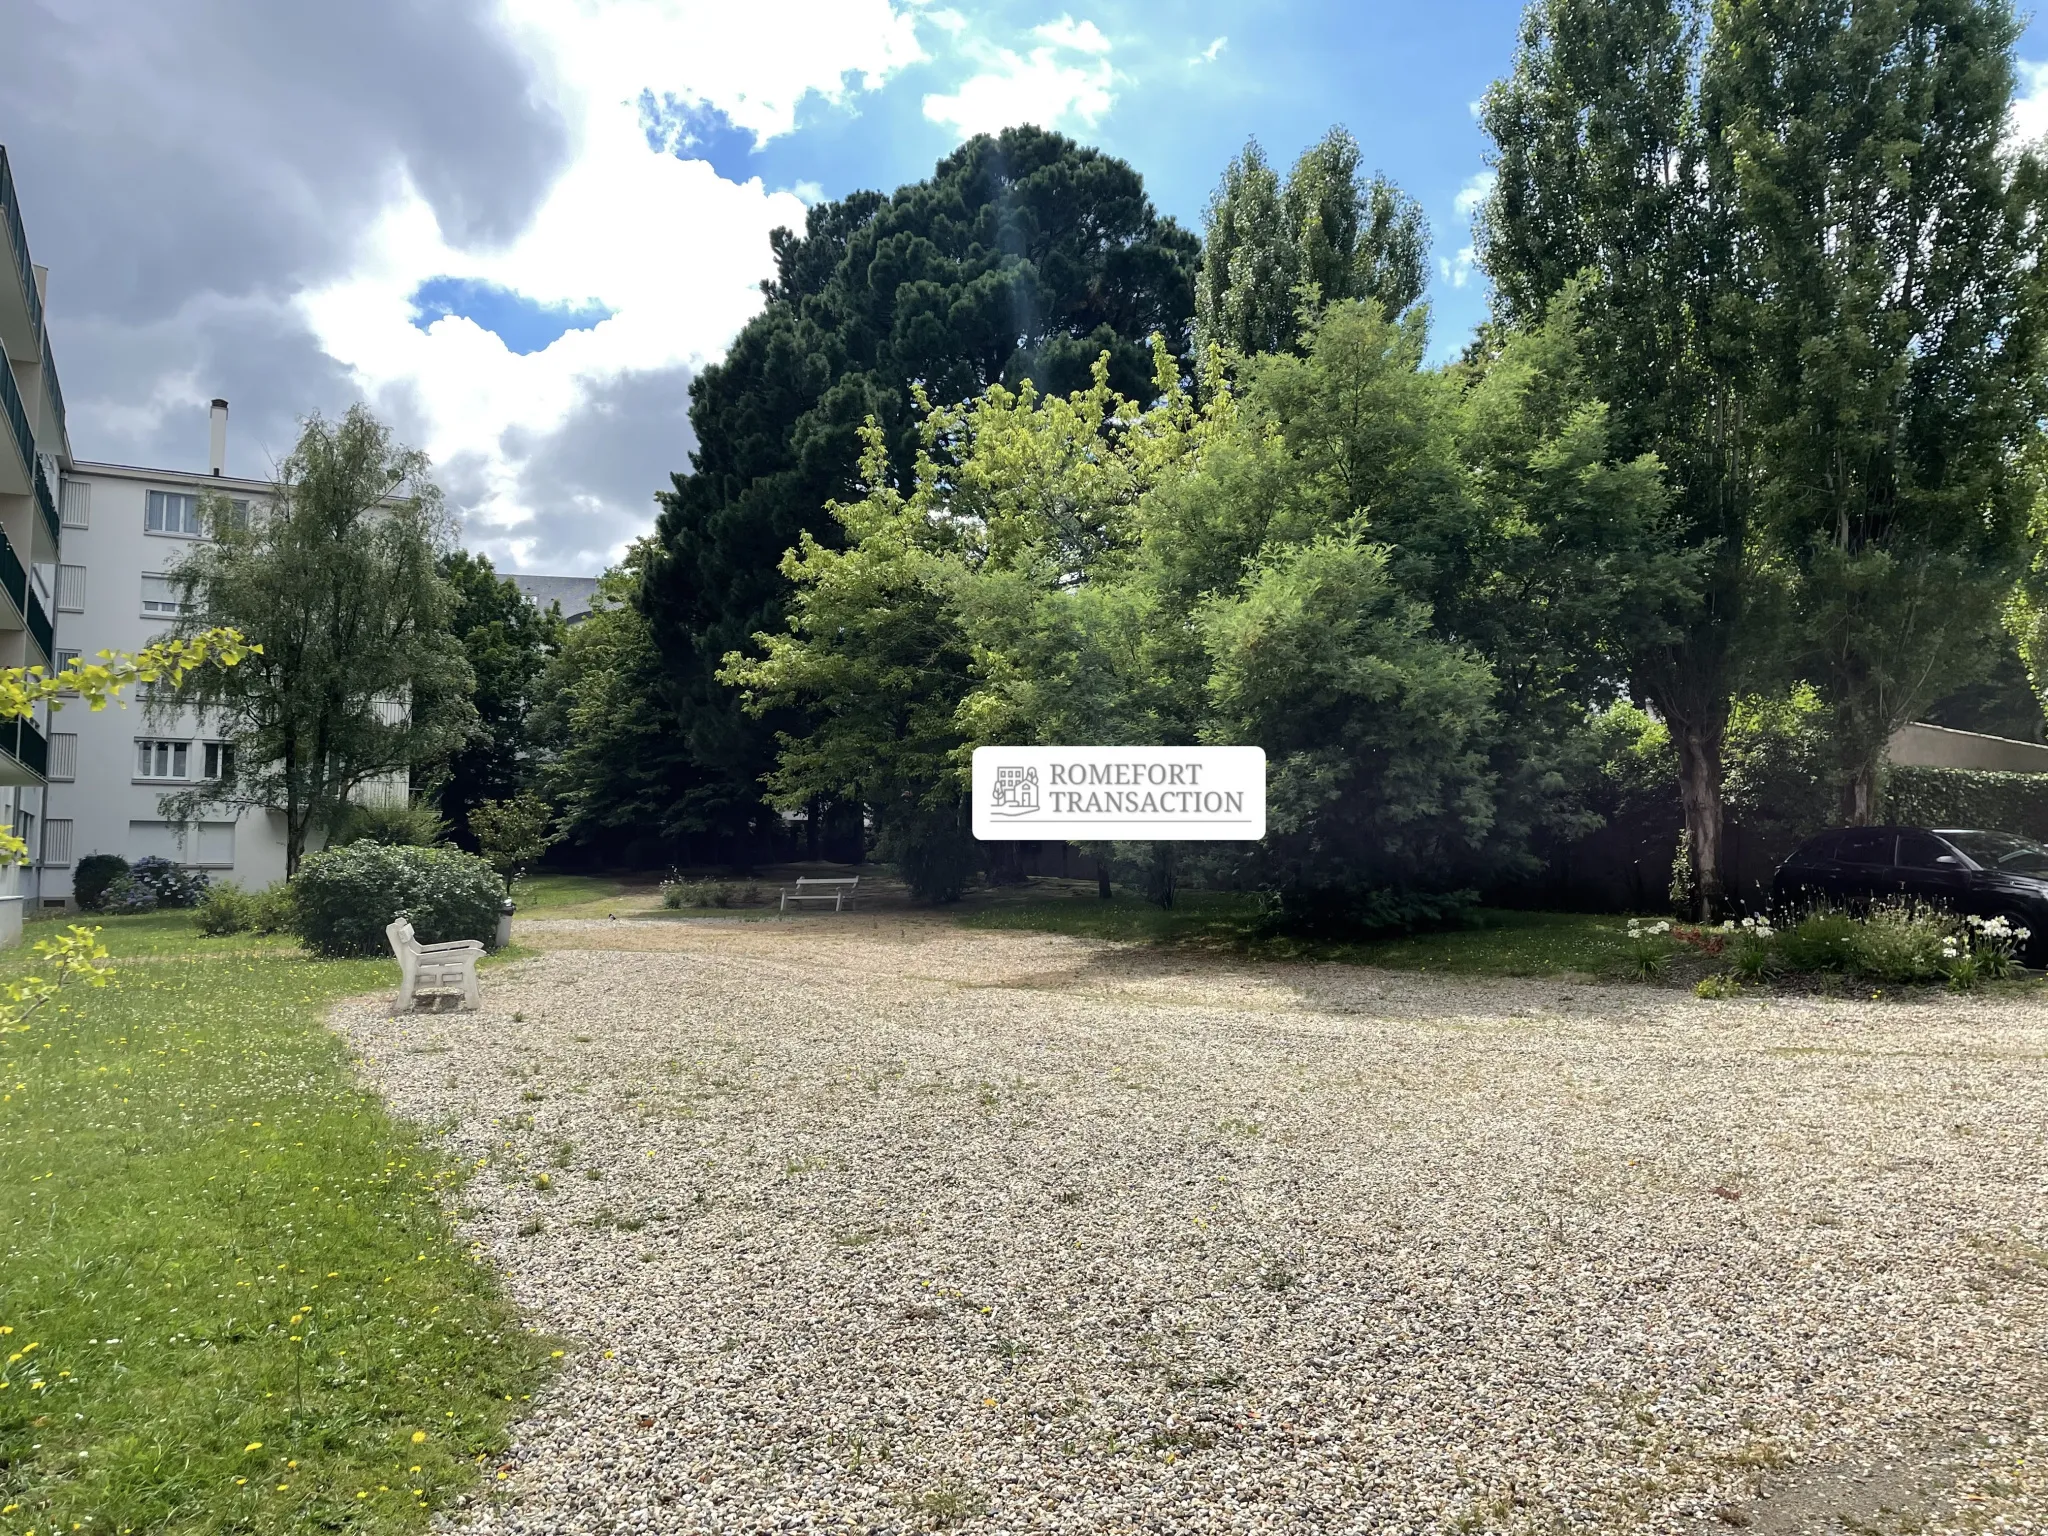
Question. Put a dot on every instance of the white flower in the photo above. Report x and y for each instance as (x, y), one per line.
(1949, 951)
(2023, 934)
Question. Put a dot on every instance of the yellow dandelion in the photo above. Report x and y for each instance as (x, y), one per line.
(419, 1437)
(253, 1445)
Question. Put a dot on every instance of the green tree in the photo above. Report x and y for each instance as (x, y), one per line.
(334, 578)
(616, 764)
(1612, 183)
(513, 833)
(1898, 247)
(508, 641)
(1272, 255)
(1024, 256)
(1268, 569)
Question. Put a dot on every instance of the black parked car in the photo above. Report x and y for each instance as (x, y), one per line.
(1990, 874)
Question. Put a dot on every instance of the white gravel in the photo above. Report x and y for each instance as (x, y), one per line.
(897, 1226)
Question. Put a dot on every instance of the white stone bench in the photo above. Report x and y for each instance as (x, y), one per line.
(839, 892)
(447, 967)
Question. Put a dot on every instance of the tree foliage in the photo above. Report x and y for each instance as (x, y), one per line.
(1896, 249)
(617, 763)
(335, 579)
(1024, 256)
(1269, 568)
(508, 641)
(1273, 254)
(1808, 269)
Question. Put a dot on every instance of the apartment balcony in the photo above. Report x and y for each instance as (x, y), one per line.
(21, 301)
(28, 505)
(27, 637)
(24, 753)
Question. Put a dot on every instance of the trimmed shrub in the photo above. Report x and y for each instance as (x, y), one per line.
(173, 884)
(344, 898)
(1957, 797)
(93, 874)
(227, 909)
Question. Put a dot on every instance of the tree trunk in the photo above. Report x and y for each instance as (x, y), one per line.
(1859, 793)
(1699, 791)
(814, 813)
(1102, 878)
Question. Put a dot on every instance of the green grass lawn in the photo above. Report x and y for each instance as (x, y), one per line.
(1501, 943)
(232, 1299)
(550, 893)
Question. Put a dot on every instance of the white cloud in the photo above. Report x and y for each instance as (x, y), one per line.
(1208, 55)
(1473, 195)
(1065, 81)
(672, 250)
(1459, 273)
(2030, 107)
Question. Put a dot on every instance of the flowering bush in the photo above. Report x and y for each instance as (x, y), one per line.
(173, 884)
(1649, 946)
(1982, 949)
(1755, 954)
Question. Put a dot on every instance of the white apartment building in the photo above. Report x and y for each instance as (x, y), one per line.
(124, 530)
(34, 452)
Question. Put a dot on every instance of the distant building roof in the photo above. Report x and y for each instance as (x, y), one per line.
(572, 592)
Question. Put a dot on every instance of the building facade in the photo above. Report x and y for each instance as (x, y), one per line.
(125, 529)
(34, 454)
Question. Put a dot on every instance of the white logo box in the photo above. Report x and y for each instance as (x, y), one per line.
(1135, 794)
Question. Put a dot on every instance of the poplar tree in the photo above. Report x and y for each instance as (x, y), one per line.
(1612, 181)
(1274, 254)
(1895, 242)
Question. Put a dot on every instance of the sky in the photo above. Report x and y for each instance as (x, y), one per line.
(517, 229)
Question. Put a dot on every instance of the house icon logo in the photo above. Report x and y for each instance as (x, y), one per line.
(1014, 793)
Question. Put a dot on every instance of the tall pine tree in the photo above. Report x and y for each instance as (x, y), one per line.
(1025, 255)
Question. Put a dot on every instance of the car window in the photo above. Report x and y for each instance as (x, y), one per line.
(2003, 851)
(1865, 845)
(1918, 850)
(1817, 850)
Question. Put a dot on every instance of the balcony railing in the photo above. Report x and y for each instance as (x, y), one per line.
(22, 741)
(13, 579)
(17, 239)
(41, 629)
(56, 389)
(47, 504)
(17, 416)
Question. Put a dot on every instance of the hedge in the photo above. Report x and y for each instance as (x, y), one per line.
(1961, 797)
(344, 897)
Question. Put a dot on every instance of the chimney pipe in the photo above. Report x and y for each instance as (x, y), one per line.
(219, 414)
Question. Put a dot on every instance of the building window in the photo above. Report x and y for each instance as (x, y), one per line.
(220, 760)
(161, 598)
(238, 515)
(76, 503)
(57, 842)
(65, 661)
(162, 760)
(173, 512)
(63, 756)
(71, 589)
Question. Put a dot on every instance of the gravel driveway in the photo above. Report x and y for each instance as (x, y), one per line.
(864, 1225)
